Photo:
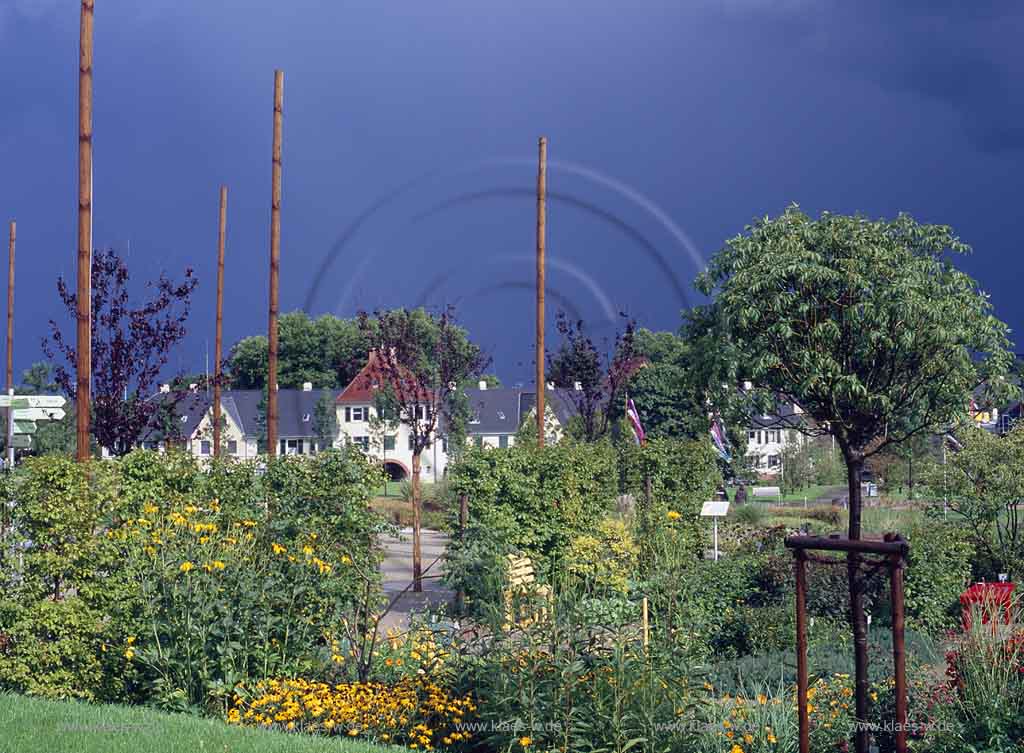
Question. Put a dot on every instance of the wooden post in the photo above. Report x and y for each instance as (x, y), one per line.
(83, 361)
(10, 344)
(899, 657)
(217, 342)
(10, 304)
(542, 189)
(801, 648)
(460, 596)
(275, 265)
(646, 623)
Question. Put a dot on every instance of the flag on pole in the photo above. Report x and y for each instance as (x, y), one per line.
(719, 439)
(634, 421)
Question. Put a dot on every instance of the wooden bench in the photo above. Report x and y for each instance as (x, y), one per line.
(522, 583)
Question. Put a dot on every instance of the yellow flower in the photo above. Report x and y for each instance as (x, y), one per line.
(150, 508)
(277, 548)
(307, 550)
(874, 696)
(346, 560)
(186, 566)
(129, 654)
(218, 564)
(526, 742)
(762, 699)
(748, 738)
(672, 515)
(130, 640)
(203, 539)
(736, 749)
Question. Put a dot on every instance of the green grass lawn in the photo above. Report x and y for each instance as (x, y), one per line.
(30, 725)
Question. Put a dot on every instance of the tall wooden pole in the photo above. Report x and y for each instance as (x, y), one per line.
(10, 305)
(899, 654)
(275, 264)
(10, 344)
(542, 189)
(83, 363)
(217, 342)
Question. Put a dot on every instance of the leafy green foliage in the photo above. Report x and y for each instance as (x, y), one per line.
(326, 351)
(984, 485)
(865, 324)
(939, 570)
(149, 579)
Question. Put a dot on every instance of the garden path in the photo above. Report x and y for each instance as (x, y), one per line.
(396, 572)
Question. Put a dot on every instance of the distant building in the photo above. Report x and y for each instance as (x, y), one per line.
(768, 436)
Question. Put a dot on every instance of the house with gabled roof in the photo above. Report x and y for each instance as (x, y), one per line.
(243, 431)
(390, 442)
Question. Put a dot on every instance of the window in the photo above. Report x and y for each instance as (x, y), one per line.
(773, 461)
(479, 441)
(363, 442)
(751, 435)
(204, 447)
(421, 412)
(503, 441)
(359, 414)
(501, 415)
(232, 447)
(389, 443)
(411, 443)
(444, 445)
(475, 419)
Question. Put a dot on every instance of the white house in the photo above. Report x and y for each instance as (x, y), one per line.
(388, 441)
(770, 434)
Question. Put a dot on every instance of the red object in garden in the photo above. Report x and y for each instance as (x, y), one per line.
(988, 596)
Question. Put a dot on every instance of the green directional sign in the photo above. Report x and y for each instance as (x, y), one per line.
(24, 427)
(32, 401)
(21, 442)
(38, 414)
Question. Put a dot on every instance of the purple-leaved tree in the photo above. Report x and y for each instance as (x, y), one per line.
(130, 347)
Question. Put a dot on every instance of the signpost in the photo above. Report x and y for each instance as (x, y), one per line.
(715, 509)
(23, 411)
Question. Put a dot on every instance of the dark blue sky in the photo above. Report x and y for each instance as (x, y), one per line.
(671, 125)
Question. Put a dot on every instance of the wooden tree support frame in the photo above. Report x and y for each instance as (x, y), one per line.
(893, 550)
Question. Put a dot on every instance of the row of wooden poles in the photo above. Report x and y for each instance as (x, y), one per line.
(83, 363)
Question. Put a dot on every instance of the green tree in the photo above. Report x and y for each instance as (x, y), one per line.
(868, 326)
(325, 418)
(327, 352)
(983, 484)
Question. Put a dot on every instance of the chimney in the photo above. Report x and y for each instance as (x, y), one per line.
(578, 386)
(165, 388)
(193, 387)
(483, 384)
(307, 386)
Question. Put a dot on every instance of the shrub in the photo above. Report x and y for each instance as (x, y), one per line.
(986, 678)
(570, 683)
(751, 514)
(527, 500)
(938, 571)
(135, 585)
(606, 558)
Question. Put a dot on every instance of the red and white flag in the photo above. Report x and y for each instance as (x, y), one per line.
(634, 421)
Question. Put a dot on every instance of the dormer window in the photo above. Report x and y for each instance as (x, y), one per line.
(184, 419)
(305, 418)
(501, 415)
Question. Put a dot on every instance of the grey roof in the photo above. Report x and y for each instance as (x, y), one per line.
(495, 411)
(501, 410)
(244, 408)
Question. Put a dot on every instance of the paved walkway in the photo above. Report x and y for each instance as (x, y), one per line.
(397, 574)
